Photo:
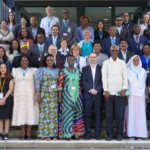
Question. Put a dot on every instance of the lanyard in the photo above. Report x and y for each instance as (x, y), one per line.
(49, 22)
(145, 26)
(33, 32)
(41, 49)
(1, 61)
(87, 46)
(24, 72)
(15, 54)
(98, 59)
(1, 85)
(100, 34)
(127, 25)
(55, 60)
(113, 41)
(66, 24)
(77, 61)
(72, 74)
(124, 55)
(10, 27)
(54, 40)
(137, 73)
(51, 71)
(119, 30)
(137, 41)
(147, 60)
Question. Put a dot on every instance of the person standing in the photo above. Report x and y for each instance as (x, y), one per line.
(48, 21)
(6, 84)
(34, 29)
(137, 124)
(144, 25)
(71, 117)
(68, 29)
(92, 83)
(147, 31)
(115, 79)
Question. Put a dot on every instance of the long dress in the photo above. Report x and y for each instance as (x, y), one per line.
(5, 110)
(26, 107)
(71, 117)
(48, 123)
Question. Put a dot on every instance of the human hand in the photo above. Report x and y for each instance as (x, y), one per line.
(107, 95)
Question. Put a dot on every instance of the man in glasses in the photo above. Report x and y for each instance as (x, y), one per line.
(68, 29)
(122, 32)
(126, 23)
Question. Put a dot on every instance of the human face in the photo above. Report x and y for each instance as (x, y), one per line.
(114, 52)
(145, 18)
(71, 61)
(125, 17)
(123, 45)
(65, 14)
(23, 22)
(100, 25)
(3, 68)
(11, 17)
(86, 34)
(118, 21)
(113, 31)
(40, 38)
(24, 62)
(15, 45)
(50, 61)
(136, 61)
(1, 53)
(136, 29)
(33, 21)
(146, 50)
(76, 51)
(52, 50)
(49, 11)
(24, 50)
(93, 58)
(85, 22)
(3, 25)
(24, 33)
(55, 31)
(97, 48)
(63, 43)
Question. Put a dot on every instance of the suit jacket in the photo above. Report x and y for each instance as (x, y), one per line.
(131, 28)
(72, 34)
(39, 30)
(128, 56)
(49, 41)
(106, 44)
(133, 46)
(124, 34)
(59, 62)
(96, 35)
(87, 81)
(142, 29)
(146, 35)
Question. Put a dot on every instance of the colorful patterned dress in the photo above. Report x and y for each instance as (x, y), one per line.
(71, 117)
(48, 123)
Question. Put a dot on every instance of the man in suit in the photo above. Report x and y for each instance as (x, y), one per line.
(111, 40)
(38, 50)
(122, 32)
(55, 38)
(124, 54)
(91, 79)
(144, 25)
(126, 23)
(34, 29)
(68, 29)
(137, 41)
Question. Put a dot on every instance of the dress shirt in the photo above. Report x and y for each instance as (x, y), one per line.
(54, 39)
(124, 55)
(93, 69)
(114, 75)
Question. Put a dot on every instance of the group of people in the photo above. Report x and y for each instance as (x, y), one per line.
(53, 75)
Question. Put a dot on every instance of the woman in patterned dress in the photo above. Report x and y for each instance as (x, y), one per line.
(71, 118)
(47, 94)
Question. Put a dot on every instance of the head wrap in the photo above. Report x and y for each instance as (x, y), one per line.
(27, 45)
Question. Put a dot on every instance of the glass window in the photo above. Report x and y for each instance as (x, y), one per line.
(99, 13)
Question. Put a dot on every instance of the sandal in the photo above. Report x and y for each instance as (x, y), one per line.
(6, 136)
(47, 139)
(140, 139)
(55, 138)
(22, 137)
(77, 138)
(1, 136)
(132, 139)
(29, 138)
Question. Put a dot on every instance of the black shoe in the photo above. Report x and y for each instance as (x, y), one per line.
(109, 138)
(1, 136)
(98, 137)
(88, 137)
(119, 138)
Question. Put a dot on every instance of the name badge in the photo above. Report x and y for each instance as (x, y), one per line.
(86, 57)
(141, 46)
(69, 30)
(53, 86)
(1, 95)
(64, 34)
(73, 88)
(39, 59)
(45, 54)
(23, 82)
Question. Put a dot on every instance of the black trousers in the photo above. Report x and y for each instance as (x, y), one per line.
(88, 107)
(119, 103)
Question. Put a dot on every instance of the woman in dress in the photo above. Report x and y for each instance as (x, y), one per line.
(71, 117)
(26, 108)
(80, 61)
(6, 36)
(14, 50)
(47, 95)
(137, 124)
(4, 58)
(25, 37)
(6, 84)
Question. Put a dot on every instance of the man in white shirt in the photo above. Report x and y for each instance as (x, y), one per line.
(49, 21)
(114, 77)
(144, 25)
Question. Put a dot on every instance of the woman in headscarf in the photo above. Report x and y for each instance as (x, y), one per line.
(137, 125)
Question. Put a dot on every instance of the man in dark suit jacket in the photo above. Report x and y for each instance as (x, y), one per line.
(122, 32)
(91, 79)
(124, 54)
(34, 29)
(111, 40)
(55, 38)
(137, 41)
(38, 50)
(126, 23)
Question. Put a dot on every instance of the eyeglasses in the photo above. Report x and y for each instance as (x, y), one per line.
(115, 51)
(54, 50)
(65, 13)
(119, 20)
(125, 15)
(92, 57)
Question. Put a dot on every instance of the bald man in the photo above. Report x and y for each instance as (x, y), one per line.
(110, 41)
(34, 29)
